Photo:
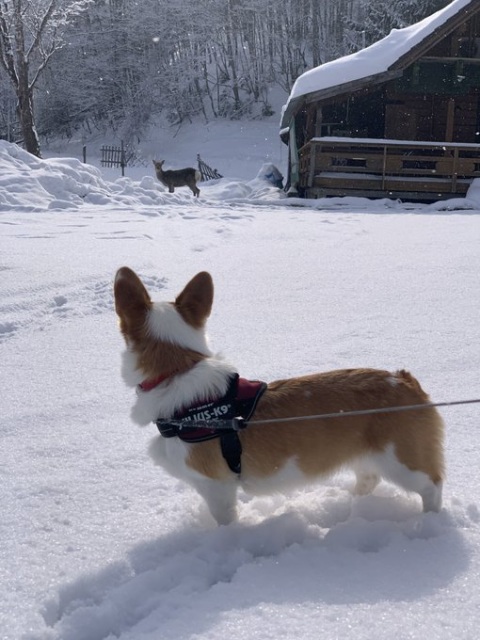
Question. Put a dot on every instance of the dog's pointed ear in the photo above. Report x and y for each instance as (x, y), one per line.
(194, 304)
(132, 301)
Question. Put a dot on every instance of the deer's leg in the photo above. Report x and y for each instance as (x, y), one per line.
(193, 188)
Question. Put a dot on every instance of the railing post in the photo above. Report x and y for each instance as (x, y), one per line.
(311, 173)
(455, 169)
(384, 165)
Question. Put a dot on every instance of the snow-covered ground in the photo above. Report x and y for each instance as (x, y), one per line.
(96, 542)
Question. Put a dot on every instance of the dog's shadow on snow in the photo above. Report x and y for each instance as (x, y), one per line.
(328, 548)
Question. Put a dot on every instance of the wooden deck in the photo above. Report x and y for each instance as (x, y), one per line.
(409, 170)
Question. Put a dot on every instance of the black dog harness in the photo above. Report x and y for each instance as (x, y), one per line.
(218, 418)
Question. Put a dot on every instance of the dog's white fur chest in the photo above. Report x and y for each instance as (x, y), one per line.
(172, 454)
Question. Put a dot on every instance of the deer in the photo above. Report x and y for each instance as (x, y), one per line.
(187, 177)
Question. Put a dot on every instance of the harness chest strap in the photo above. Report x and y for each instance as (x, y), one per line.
(198, 423)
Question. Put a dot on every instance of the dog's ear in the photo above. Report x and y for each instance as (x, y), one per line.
(131, 300)
(195, 302)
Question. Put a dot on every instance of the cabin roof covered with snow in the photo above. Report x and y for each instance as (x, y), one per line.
(380, 61)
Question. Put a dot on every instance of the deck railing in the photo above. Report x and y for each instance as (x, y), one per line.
(416, 170)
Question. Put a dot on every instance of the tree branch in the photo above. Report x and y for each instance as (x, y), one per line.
(45, 59)
(7, 59)
(41, 28)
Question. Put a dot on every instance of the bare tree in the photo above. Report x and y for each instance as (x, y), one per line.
(30, 33)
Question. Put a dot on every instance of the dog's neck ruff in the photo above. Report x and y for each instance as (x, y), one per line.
(218, 417)
(209, 378)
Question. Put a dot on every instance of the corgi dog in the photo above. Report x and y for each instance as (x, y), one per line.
(188, 392)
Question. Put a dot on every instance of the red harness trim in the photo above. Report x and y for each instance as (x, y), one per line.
(148, 385)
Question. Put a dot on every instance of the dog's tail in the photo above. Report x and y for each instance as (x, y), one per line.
(412, 382)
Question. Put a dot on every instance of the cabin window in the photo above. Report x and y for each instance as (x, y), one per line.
(469, 48)
(360, 116)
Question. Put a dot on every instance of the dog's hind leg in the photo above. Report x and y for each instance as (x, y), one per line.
(418, 481)
(431, 495)
(221, 499)
(367, 478)
(366, 483)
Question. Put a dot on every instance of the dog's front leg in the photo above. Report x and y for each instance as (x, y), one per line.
(221, 499)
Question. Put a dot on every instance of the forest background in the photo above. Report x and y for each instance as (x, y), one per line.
(77, 68)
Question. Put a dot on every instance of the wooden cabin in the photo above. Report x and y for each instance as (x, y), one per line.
(399, 119)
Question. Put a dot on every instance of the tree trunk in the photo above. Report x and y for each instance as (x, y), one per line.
(24, 91)
(230, 35)
(27, 123)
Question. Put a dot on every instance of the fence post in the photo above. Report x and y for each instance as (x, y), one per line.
(84, 150)
(122, 158)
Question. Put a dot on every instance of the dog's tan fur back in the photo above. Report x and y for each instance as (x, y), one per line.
(323, 446)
